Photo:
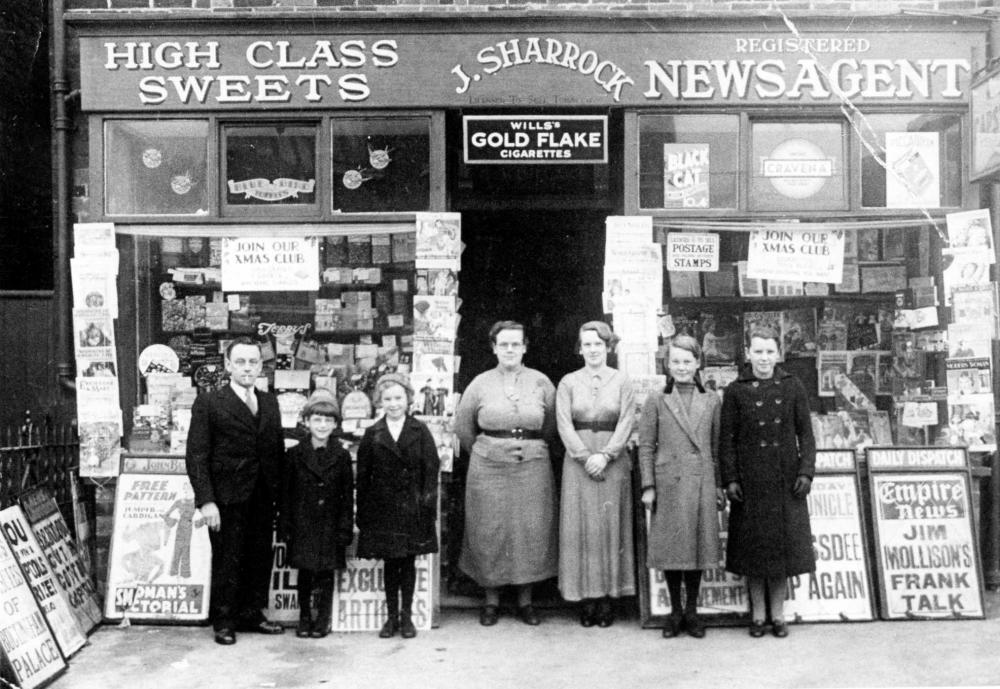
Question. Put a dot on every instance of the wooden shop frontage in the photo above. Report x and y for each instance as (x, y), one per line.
(364, 196)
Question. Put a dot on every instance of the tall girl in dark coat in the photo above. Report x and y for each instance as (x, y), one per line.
(317, 512)
(768, 456)
(397, 498)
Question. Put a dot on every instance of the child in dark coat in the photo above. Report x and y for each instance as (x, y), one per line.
(316, 517)
(397, 498)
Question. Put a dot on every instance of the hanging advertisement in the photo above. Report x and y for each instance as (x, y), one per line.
(160, 560)
(25, 639)
(800, 253)
(685, 176)
(692, 251)
(912, 179)
(535, 139)
(63, 555)
(270, 264)
(48, 591)
(840, 589)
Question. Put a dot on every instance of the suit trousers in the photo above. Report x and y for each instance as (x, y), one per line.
(242, 555)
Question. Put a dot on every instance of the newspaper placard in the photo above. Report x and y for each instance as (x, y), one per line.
(283, 592)
(359, 595)
(928, 563)
(693, 251)
(160, 561)
(25, 638)
(63, 555)
(800, 253)
(270, 264)
(628, 229)
(685, 176)
(913, 178)
(95, 282)
(840, 589)
(95, 334)
(48, 591)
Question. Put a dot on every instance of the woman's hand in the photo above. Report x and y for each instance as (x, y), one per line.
(734, 492)
(803, 484)
(594, 466)
(649, 497)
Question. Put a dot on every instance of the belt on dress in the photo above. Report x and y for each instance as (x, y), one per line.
(515, 433)
(595, 426)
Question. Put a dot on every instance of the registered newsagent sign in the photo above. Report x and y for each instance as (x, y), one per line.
(693, 251)
(535, 139)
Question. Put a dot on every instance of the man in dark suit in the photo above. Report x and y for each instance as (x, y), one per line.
(234, 454)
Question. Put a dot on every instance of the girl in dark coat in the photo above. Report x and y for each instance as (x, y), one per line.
(397, 498)
(767, 456)
(317, 512)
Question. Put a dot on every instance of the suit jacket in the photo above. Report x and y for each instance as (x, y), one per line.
(228, 449)
(397, 486)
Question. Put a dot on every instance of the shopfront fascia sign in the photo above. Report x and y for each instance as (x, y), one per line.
(517, 69)
(531, 139)
(985, 128)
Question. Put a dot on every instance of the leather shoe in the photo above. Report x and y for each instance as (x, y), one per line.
(780, 630)
(528, 615)
(225, 636)
(695, 627)
(304, 629)
(673, 626)
(389, 629)
(406, 628)
(605, 614)
(756, 629)
(262, 626)
(587, 615)
(489, 615)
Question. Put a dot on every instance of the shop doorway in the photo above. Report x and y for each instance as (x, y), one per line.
(541, 268)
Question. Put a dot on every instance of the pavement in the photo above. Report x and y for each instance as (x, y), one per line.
(558, 654)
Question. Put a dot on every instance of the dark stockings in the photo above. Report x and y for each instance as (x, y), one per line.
(692, 584)
(400, 581)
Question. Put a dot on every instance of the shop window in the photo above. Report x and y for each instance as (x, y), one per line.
(911, 161)
(156, 167)
(798, 166)
(270, 165)
(688, 162)
(381, 165)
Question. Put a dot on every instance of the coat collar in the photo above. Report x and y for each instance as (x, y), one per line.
(237, 407)
(746, 374)
(689, 419)
(407, 436)
(311, 458)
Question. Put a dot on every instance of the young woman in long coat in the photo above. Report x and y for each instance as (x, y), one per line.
(678, 451)
(397, 489)
(768, 458)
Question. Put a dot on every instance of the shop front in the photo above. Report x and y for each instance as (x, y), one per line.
(366, 196)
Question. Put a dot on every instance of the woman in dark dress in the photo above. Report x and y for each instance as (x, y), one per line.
(767, 455)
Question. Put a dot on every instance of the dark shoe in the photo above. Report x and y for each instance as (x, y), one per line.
(489, 615)
(390, 627)
(605, 613)
(406, 628)
(319, 630)
(780, 630)
(695, 627)
(261, 625)
(528, 615)
(304, 628)
(588, 614)
(225, 636)
(756, 629)
(673, 626)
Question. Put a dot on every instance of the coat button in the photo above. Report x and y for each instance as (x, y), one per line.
(763, 443)
(759, 403)
(776, 443)
(777, 419)
(777, 401)
(320, 501)
(761, 422)
(755, 384)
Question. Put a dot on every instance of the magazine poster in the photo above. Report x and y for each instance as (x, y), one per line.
(433, 358)
(160, 559)
(868, 245)
(798, 332)
(839, 590)
(636, 360)
(691, 251)
(971, 231)
(48, 591)
(264, 264)
(913, 167)
(849, 396)
(717, 378)
(97, 399)
(796, 253)
(440, 282)
(93, 239)
(883, 383)
(635, 323)
(969, 376)
(432, 393)
(841, 430)
(64, 556)
(749, 287)
(439, 240)
(931, 340)
(923, 415)
(968, 340)
(686, 176)
(964, 270)
(976, 304)
(864, 373)
(832, 367)
(894, 243)
(444, 439)
(880, 427)
(850, 282)
(831, 332)
(971, 421)
(95, 283)
(720, 337)
(435, 318)
(882, 277)
(25, 639)
(100, 448)
(684, 284)
(95, 334)
(628, 229)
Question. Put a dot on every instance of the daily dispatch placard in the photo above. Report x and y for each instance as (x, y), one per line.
(535, 139)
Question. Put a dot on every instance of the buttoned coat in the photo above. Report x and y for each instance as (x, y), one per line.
(397, 487)
(228, 448)
(316, 514)
(678, 451)
(766, 442)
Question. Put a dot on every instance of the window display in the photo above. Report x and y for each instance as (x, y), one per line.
(270, 164)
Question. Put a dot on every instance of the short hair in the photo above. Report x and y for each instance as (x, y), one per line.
(603, 331)
(507, 325)
(321, 407)
(688, 344)
(764, 332)
(241, 340)
(390, 379)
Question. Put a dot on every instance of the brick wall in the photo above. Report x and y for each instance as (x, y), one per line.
(799, 7)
